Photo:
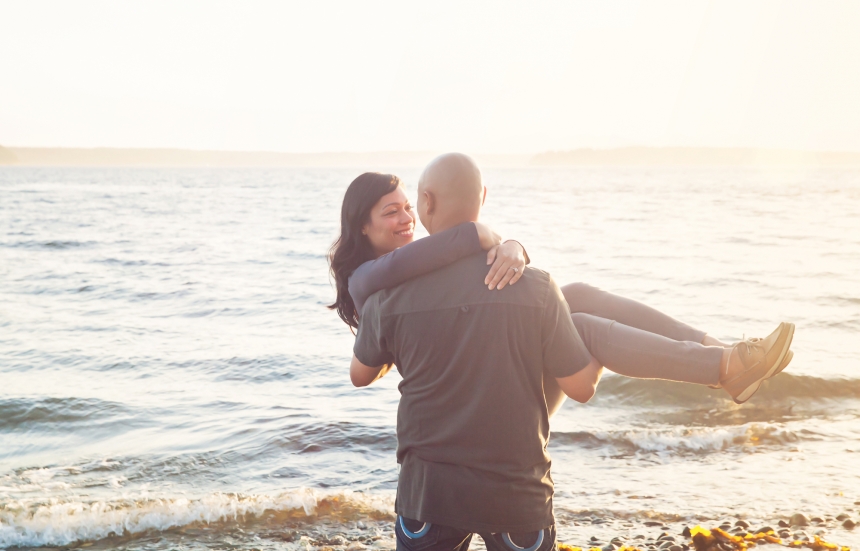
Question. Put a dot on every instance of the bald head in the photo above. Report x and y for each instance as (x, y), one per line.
(450, 192)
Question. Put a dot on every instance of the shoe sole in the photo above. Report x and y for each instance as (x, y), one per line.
(748, 392)
(784, 364)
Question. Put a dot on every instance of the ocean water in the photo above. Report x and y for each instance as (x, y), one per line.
(171, 379)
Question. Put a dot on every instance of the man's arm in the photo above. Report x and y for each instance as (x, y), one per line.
(565, 356)
(363, 375)
(582, 385)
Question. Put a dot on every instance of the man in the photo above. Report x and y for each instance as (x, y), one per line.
(472, 424)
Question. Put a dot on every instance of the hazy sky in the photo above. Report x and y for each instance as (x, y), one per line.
(475, 76)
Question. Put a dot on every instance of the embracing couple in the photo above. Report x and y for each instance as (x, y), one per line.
(487, 349)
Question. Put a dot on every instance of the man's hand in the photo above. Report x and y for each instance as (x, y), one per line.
(508, 260)
(581, 385)
(363, 375)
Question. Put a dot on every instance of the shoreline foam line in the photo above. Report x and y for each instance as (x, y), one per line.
(33, 524)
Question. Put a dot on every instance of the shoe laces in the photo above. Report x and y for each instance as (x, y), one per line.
(749, 345)
(753, 343)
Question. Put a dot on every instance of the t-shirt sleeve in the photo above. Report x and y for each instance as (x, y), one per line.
(415, 259)
(564, 353)
(371, 345)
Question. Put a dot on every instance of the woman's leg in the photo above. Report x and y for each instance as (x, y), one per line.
(582, 297)
(642, 354)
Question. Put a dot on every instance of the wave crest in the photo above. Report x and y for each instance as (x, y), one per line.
(61, 522)
(783, 388)
(682, 439)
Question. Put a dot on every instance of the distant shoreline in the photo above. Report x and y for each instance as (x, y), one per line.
(625, 156)
(697, 156)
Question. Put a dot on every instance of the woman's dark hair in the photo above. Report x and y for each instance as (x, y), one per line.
(352, 248)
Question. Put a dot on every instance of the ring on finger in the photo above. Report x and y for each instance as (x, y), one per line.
(514, 269)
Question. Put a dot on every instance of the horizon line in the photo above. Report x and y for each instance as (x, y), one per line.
(424, 151)
(616, 156)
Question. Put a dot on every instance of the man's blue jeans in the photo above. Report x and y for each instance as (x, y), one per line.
(414, 535)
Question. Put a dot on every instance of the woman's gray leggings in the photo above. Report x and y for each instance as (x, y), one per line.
(638, 341)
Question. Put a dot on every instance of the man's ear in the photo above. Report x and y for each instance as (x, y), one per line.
(431, 202)
(484, 198)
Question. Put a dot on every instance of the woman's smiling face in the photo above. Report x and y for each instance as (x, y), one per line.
(391, 223)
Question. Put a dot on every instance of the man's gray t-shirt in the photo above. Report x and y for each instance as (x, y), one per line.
(472, 425)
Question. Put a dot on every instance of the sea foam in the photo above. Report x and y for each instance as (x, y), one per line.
(61, 522)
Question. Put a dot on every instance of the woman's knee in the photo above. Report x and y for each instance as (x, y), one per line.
(588, 326)
(581, 297)
(581, 319)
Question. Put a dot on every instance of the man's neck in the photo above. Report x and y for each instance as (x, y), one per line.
(442, 225)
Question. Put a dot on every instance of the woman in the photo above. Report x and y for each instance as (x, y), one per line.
(376, 251)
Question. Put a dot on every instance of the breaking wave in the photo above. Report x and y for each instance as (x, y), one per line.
(684, 439)
(61, 522)
(784, 388)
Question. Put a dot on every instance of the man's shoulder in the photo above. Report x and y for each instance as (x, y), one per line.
(539, 281)
(536, 275)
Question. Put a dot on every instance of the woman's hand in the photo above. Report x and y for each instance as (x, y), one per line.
(487, 237)
(508, 260)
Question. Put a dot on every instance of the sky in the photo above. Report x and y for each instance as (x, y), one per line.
(488, 77)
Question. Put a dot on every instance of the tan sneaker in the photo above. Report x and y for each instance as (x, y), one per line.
(756, 360)
(787, 360)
